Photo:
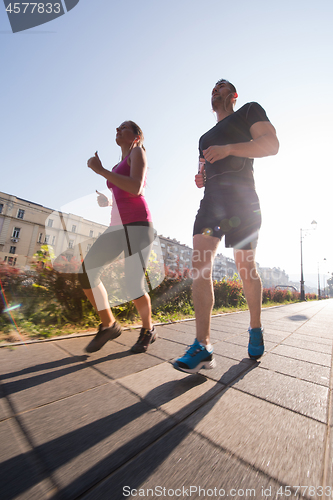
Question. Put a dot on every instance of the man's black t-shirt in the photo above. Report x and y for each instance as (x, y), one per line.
(233, 129)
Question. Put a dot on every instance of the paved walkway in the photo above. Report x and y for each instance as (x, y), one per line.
(96, 427)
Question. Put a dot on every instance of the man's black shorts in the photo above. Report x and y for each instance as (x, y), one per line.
(232, 213)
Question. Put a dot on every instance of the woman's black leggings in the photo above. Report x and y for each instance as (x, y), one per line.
(135, 240)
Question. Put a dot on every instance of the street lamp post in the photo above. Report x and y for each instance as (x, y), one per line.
(314, 223)
(319, 297)
(302, 277)
(324, 280)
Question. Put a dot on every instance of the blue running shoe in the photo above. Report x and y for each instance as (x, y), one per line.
(256, 343)
(195, 358)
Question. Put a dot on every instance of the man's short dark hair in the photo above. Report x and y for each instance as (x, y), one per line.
(230, 85)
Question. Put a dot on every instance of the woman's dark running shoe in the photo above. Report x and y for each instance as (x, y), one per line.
(103, 336)
(146, 338)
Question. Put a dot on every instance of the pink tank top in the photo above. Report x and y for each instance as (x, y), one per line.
(127, 207)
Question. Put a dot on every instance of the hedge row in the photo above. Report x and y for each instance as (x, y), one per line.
(54, 298)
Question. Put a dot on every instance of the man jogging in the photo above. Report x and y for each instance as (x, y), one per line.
(230, 208)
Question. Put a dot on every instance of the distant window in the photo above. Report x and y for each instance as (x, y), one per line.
(16, 232)
(73, 229)
(11, 261)
(40, 238)
(20, 214)
(88, 247)
(53, 240)
(50, 223)
(12, 250)
(47, 238)
(163, 245)
(71, 244)
(91, 234)
(1, 208)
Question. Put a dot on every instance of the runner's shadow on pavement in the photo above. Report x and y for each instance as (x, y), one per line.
(44, 366)
(17, 474)
(83, 362)
(139, 470)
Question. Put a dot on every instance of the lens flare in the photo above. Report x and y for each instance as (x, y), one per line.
(9, 309)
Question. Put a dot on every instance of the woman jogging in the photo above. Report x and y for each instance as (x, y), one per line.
(131, 231)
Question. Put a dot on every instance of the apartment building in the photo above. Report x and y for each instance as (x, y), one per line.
(25, 226)
(272, 277)
(223, 267)
(176, 256)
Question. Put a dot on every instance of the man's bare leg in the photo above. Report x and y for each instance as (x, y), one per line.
(246, 266)
(204, 250)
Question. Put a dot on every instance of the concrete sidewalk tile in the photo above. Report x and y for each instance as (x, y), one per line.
(317, 358)
(76, 347)
(233, 351)
(228, 370)
(183, 465)
(5, 411)
(310, 344)
(131, 363)
(276, 334)
(284, 326)
(48, 380)
(227, 331)
(310, 338)
(162, 348)
(237, 351)
(236, 321)
(20, 476)
(24, 360)
(243, 340)
(183, 326)
(296, 368)
(175, 392)
(321, 331)
(169, 333)
(114, 359)
(285, 446)
(329, 465)
(89, 435)
(166, 349)
(128, 337)
(297, 395)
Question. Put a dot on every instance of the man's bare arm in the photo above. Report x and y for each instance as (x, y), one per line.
(264, 143)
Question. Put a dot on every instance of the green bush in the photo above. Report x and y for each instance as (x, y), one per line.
(50, 298)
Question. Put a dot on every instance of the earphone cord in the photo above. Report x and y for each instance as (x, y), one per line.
(229, 171)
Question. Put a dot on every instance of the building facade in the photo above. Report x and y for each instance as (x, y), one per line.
(26, 226)
(223, 267)
(272, 277)
(176, 256)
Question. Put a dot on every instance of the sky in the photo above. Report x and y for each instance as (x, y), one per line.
(66, 85)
